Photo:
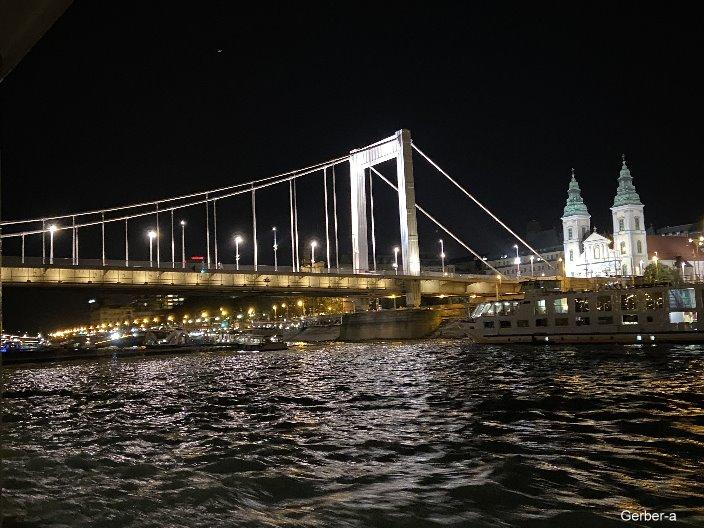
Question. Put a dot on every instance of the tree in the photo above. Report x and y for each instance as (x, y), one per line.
(656, 272)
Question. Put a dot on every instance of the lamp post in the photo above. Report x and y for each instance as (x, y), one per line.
(532, 274)
(52, 230)
(442, 256)
(517, 262)
(655, 261)
(274, 307)
(284, 305)
(276, 247)
(396, 250)
(497, 284)
(683, 271)
(313, 245)
(183, 243)
(238, 240)
(151, 234)
(302, 306)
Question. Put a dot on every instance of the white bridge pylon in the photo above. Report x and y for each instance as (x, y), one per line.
(399, 147)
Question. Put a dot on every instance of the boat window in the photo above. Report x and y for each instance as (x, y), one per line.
(488, 324)
(508, 308)
(480, 309)
(582, 321)
(653, 301)
(628, 301)
(522, 323)
(629, 319)
(603, 303)
(540, 307)
(561, 321)
(498, 308)
(682, 298)
(581, 304)
(604, 320)
(561, 305)
(489, 309)
(505, 324)
(541, 322)
(683, 317)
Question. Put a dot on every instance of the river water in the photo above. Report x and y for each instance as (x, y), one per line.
(432, 433)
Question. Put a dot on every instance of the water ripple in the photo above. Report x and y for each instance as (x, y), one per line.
(425, 434)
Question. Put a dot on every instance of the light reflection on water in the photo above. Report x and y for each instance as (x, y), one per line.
(436, 432)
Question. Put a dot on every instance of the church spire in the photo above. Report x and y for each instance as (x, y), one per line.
(626, 193)
(575, 204)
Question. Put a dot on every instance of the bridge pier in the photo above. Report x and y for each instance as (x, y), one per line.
(412, 293)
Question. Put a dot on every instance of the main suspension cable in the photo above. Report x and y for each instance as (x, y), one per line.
(432, 219)
(486, 209)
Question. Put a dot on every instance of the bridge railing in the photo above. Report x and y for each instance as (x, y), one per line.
(198, 267)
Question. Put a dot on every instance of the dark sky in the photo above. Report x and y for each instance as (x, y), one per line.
(129, 101)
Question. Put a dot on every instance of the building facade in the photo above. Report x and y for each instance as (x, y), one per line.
(594, 255)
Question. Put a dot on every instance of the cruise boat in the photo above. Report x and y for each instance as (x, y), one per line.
(612, 314)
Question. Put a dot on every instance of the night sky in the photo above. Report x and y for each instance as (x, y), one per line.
(129, 101)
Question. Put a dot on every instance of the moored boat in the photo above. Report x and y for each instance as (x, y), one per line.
(649, 314)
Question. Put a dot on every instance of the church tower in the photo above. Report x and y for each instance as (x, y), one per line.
(576, 222)
(630, 243)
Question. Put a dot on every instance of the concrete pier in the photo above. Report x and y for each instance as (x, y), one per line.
(389, 324)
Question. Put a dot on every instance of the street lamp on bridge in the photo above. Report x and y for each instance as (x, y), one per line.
(183, 243)
(52, 230)
(276, 247)
(313, 245)
(442, 256)
(238, 241)
(396, 250)
(151, 234)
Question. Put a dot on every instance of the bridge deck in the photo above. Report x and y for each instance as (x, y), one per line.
(141, 276)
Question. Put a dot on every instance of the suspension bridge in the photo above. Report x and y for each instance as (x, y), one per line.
(299, 272)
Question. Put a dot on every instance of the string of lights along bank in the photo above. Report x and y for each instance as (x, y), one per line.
(170, 220)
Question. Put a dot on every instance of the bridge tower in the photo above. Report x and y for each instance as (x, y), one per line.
(397, 146)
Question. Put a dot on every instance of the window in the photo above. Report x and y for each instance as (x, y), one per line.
(522, 323)
(560, 305)
(540, 307)
(621, 224)
(488, 324)
(683, 317)
(571, 255)
(682, 298)
(653, 301)
(623, 248)
(569, 233)
(603, 303)
(629, 319)
(637, 222)
(541, 322)
(604, 320)
(582, 321)
(628, 301)
(597, 253)
(639, 247)
(581, 304)
(584, 233)
(561, 321)
(504, 324)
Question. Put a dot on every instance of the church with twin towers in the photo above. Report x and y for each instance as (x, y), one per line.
(589, 254)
